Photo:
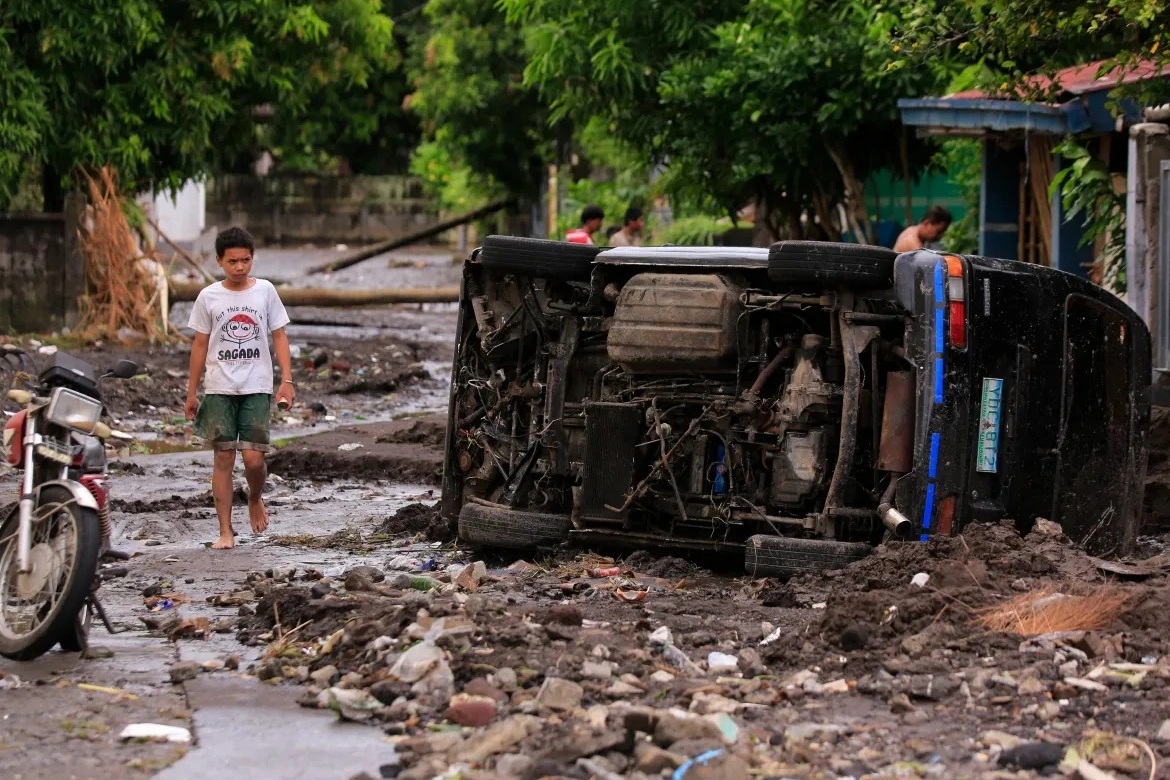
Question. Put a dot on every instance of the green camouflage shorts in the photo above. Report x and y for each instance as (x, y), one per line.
(235, 422)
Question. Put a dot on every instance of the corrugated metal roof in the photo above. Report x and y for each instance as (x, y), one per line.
(1077, 95)
(977, 115)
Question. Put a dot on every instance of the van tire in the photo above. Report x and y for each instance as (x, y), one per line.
(826, 262)
(782, 556)
(513, 529)
(537, 258)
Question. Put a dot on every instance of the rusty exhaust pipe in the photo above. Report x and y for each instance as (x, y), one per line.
(896, 522)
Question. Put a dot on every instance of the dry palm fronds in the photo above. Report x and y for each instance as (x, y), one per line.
(123, 293)
(1046, 611)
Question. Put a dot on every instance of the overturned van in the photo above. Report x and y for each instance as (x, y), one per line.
(800, 403)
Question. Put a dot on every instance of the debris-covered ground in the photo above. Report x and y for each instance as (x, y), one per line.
(987, 655)
(1003, 654)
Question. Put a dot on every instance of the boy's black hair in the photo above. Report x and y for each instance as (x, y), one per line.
(234, 237)
(632, 215)
(938, 215)
(591, 212)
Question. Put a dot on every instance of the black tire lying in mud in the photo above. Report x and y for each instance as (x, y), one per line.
(513, 529)
(538, 257)
(825, 262)
(782, 556)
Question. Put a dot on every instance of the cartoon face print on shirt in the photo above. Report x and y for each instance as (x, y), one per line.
(241, 337)
(241, 329)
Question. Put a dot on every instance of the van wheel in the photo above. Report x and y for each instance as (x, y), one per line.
(489, 526)
(826, 262)
(538, 258)
(782, 556)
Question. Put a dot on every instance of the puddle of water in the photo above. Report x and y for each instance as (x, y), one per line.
(159, 446)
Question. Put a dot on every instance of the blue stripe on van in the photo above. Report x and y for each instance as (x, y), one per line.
(932, 469)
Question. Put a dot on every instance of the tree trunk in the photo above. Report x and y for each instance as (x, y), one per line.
(855, 210)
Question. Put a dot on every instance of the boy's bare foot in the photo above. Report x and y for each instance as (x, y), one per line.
(224, 542)
(258, 515)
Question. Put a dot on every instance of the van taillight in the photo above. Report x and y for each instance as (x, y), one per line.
(956, 303)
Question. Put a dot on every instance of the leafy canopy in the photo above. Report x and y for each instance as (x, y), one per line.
(485, 133)
(165, 90)
(1008, 39)
(784, 102)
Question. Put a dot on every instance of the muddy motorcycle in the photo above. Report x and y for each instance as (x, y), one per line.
(52, 542)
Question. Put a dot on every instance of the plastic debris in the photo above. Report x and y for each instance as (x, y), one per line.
(353, 704)
(155, 732)
(700, 760)
(920, 579)
(722, 663)
(772, 637)
(350, 446)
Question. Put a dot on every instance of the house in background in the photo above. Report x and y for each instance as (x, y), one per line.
(1018, 220)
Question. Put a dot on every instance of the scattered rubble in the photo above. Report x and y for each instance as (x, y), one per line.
(704, 679)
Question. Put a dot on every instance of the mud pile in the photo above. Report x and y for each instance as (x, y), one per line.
(416, 519)
(877, 609)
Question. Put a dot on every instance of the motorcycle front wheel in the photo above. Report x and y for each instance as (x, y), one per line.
(39, 607)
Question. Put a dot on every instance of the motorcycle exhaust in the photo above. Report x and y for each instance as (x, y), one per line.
(897, 523)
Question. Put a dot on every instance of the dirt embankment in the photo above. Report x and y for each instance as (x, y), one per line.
(407, 450)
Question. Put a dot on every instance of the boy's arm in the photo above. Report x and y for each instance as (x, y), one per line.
(195, 372)
(286, 391)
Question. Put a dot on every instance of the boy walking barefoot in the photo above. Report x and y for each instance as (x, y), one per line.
(233, 320)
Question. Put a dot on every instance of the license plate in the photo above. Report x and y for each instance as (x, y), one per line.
(990, 409)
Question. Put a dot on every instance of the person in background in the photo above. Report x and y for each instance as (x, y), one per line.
(591, 218)
(631, 232)
(934, 224)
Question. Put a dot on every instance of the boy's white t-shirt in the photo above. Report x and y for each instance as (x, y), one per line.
(239, 361)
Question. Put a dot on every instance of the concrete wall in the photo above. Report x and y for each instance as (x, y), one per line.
(42, 270)
(320, 209)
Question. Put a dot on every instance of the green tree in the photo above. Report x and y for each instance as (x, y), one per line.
(164, 90)
(365, 123)
(485, 132)
(786, 103)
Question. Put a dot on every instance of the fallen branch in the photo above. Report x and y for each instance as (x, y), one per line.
(319, 296)
(208, 278)
(382, 247)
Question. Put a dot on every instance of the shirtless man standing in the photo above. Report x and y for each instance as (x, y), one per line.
(934, 223)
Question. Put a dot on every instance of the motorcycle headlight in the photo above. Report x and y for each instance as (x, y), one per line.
(73, 410)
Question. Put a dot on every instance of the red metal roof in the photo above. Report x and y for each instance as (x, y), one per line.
(1077, 80)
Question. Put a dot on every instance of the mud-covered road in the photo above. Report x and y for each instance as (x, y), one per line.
(354, 637)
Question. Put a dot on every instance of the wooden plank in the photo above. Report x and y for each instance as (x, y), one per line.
(382, 247)
(318, 296)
